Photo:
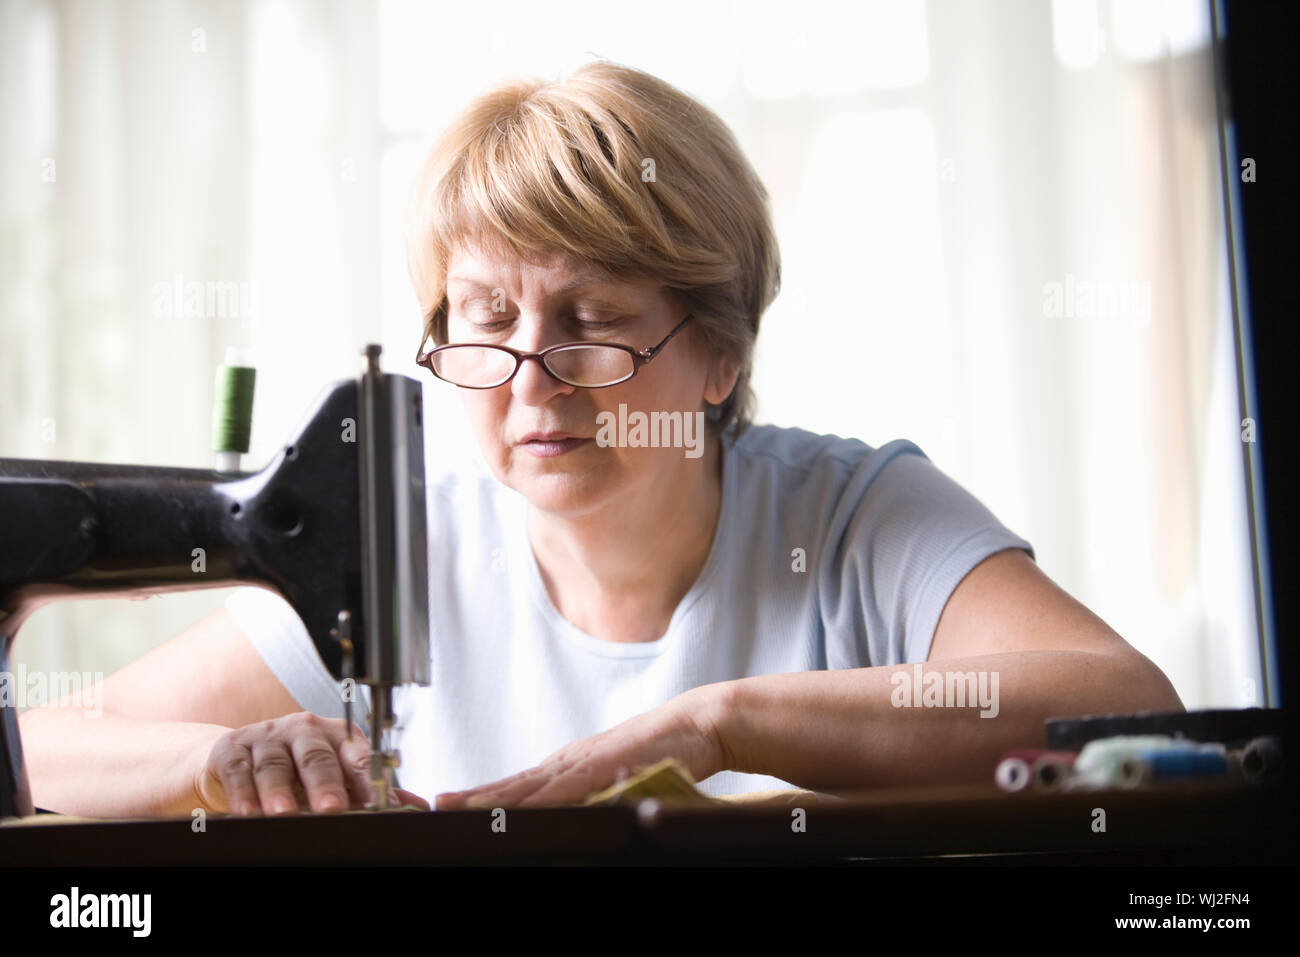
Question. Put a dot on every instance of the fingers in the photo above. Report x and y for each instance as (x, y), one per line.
(570, 788)
(232, 762)
(321, 774)
(508, 792)
(274, 776)
(413, 800)
(354, 757)
(298, 762)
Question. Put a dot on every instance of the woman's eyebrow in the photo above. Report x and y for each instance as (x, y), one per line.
(586, 279)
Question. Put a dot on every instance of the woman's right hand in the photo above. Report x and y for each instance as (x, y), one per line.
(296, 762)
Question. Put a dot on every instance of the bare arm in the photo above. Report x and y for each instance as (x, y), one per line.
(138, 757)
(861, 728)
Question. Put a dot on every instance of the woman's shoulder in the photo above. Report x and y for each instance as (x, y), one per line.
(798, 456)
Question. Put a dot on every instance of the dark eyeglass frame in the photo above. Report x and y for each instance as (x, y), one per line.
(639, 358)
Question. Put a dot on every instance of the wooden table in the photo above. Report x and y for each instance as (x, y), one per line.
(1180, 824)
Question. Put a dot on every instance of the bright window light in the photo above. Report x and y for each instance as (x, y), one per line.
(1076, 33)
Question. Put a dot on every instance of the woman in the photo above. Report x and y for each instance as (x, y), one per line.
(737, 597)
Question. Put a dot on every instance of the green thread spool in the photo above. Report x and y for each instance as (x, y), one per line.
(232, 409)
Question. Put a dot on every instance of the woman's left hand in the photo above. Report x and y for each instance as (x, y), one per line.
(685, 728)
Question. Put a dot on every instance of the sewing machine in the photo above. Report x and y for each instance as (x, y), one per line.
(335, 523)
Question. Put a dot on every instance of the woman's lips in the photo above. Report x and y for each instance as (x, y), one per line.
(546, 449)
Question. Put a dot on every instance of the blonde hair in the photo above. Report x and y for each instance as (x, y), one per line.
(621, 170)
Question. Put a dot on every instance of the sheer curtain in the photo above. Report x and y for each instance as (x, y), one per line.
(1004, 216)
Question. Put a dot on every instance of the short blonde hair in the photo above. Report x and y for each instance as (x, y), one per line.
(621, 170)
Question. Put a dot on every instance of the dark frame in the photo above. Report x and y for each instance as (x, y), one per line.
(639, 358)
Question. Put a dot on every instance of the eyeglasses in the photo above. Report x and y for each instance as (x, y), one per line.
(588, 365)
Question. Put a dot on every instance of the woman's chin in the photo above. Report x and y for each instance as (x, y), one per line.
(560, 493)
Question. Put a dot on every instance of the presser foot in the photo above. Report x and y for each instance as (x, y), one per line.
(382, 788)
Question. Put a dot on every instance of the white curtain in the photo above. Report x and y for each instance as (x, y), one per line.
(1000, 222)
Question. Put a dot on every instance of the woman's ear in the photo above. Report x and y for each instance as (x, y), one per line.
(723, 373)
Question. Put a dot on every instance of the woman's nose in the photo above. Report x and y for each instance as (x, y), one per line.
(532, 383)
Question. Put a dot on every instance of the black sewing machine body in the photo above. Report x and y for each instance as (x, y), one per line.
(335, 522)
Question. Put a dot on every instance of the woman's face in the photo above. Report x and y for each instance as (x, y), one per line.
(529, 306)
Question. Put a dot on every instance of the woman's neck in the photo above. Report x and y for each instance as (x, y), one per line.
(618, 574)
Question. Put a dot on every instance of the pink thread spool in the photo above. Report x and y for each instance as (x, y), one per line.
(1035, 768)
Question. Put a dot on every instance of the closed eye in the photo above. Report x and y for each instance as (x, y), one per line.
(586, 323)
(595, 322)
